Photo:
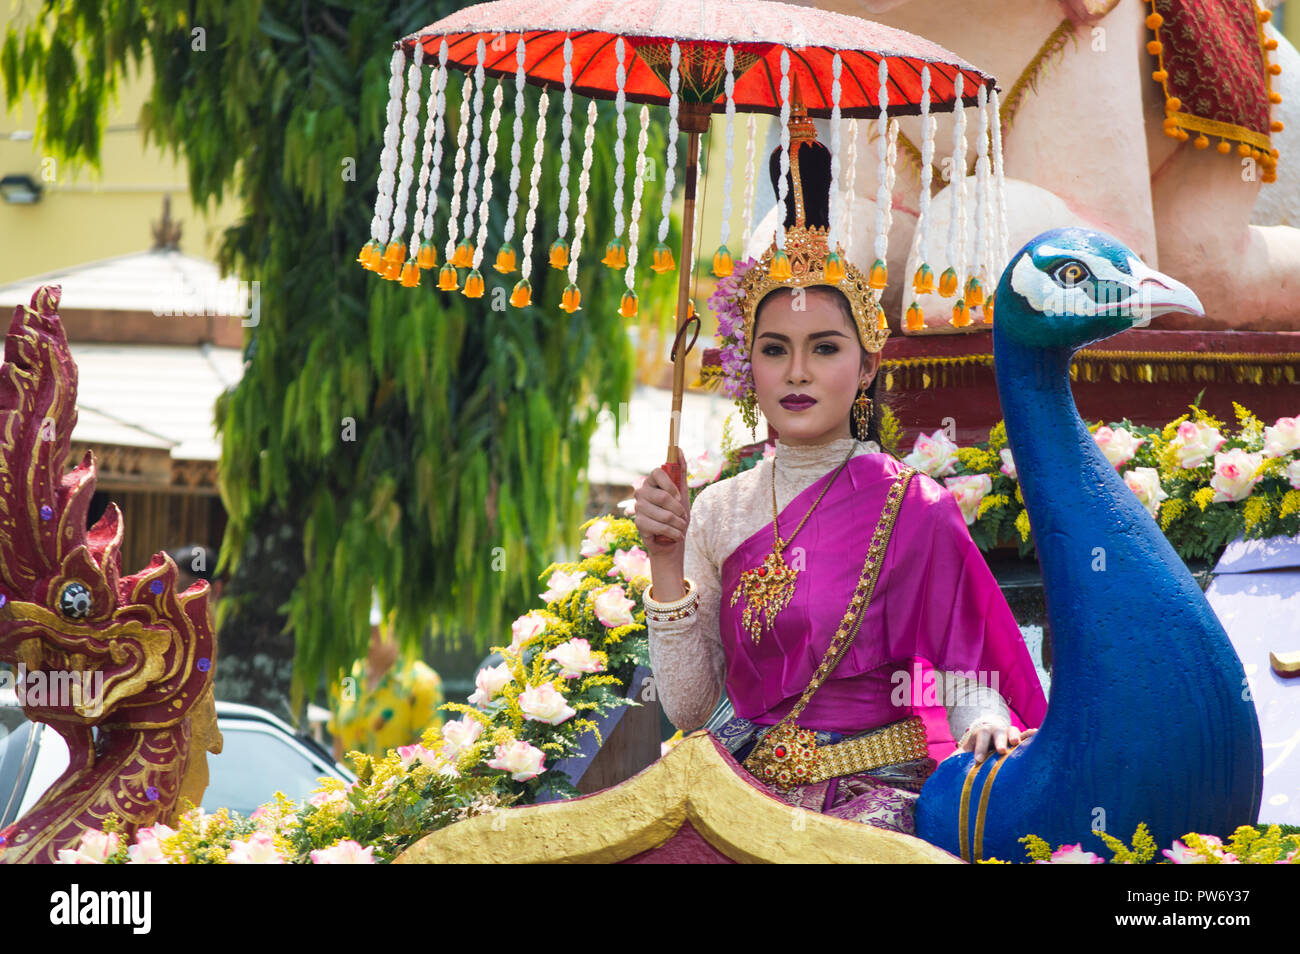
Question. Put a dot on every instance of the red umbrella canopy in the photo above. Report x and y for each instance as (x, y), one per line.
(757, 30)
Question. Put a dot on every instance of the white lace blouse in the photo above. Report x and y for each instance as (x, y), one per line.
(687, 655)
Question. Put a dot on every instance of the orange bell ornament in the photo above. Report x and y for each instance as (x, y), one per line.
(559, 254)
(974, 292)
(615, 254)
(663, 259)
(628, 306)
(915, 319)
(506, 259)
(410, 274)
(878, 277)
(473, 284)
(572, 299)
(723, 264)
(448, 279)
(834, 271)
(522, 296)
(428, 256)
(923, 280)
(463, 257)
(960, 313)
(779, 268)
(948, 282)
(396, 252)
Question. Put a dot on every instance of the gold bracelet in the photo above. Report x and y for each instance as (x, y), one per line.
(651, 603)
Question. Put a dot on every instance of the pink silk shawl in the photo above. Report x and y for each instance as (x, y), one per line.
(936, 606)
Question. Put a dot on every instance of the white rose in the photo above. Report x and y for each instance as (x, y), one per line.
(1145, 483)
(1195, 443)
(612, 607)
(561, 584)
(934, 455)
(1234, 475)
(526, 628)
(459, 735)
(1008, 465)
(489, 682)
(545, 704)
(520, 759)
(258, 849)
(1119, 445)
(630, 563)
(704, 469)
(95, 848)
(575, 658)
(969, 491)
(599, 538)
(1283, 437)
(1293, 473)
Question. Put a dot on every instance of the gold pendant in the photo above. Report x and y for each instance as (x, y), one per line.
(767, 590)
(786, 757)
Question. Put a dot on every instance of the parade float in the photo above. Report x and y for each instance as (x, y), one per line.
(1044, 481)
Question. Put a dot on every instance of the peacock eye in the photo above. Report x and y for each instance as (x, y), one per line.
(1071, 273)
(74, 601)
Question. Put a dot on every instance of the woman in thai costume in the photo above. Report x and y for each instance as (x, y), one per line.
(834, 590)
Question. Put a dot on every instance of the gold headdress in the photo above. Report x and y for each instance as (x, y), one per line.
(806, 260)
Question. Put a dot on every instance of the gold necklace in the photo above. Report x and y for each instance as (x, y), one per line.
(768, 588)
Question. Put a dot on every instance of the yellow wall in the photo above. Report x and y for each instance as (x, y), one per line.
(83, 216)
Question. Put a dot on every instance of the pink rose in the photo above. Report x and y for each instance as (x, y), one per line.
(459, 735)
(257, 849)
(612, 607)
(329, 799)
(489, 682)
(575, 658)
(1073, 855)
(147, 849)
(1118, 445)
(630, 563)
(934, 455)
(520, 759)
(95, 848)
(1145, 483)
(704, 469)
(545, 704)
(525, 629)
(561, 584)
(1195, 443)
(969, 491)
(346, 852)
(1283, 437)
(1008, 465)
(598, 539)
(1293, 473)
(1234, 475)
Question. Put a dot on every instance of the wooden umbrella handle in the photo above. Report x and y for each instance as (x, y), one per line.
(674, 471)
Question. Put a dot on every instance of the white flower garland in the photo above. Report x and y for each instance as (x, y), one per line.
(431, 158)
(832, 236)
(782, 188)
(1001, 253)
(956, 220)
(850, 181)
(634, 217)
(983, 219)
(748, 212)
(471, 197)
(410, 126)
(928, 127)
(584, 180)
(728, 184)
(566, 135)
(379, 225)
(670, 173)
(489, 167)
(462, 136)
(884, 197)
(517, 147)
(620, 104)
(534, 180)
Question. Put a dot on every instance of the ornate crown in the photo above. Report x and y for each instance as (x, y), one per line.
(806, 260)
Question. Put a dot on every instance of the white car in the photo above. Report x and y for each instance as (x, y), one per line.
(260, 755)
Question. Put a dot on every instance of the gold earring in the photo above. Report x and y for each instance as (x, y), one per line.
(862, 411)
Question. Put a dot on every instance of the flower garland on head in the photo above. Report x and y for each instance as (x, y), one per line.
(737, 379)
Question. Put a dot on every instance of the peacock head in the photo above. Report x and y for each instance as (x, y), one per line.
(1070, 287)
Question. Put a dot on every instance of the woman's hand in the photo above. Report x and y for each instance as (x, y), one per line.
(662, 511)
(982, 732)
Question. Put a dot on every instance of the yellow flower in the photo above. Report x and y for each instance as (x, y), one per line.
(1022, 524)
(1256, 510)
(1290, 503)
(1203, 497)
(1171, 510)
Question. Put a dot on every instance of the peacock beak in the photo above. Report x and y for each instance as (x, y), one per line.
(1158, 294)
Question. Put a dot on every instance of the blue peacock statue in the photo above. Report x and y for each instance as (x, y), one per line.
(1149, 719)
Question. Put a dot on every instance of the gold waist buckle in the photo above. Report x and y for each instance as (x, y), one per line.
(789, 756)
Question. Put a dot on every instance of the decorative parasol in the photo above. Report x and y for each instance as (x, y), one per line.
(696, 59)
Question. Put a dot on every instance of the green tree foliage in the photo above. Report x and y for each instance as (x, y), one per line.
(471, 422)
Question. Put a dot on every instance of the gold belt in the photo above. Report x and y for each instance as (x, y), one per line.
(792, 762)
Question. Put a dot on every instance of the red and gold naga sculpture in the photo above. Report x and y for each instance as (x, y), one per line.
(133, 660)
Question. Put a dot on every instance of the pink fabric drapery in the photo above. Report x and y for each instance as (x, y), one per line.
(936, 607)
